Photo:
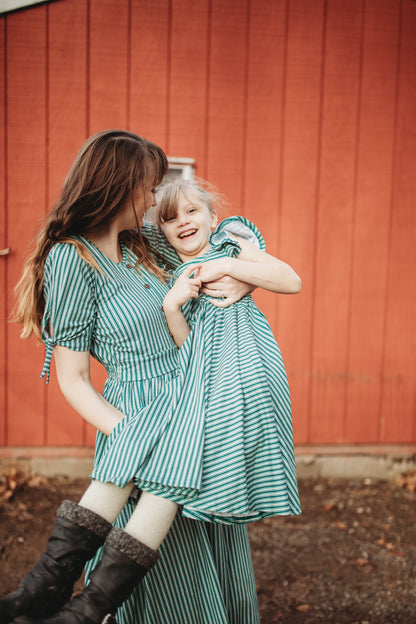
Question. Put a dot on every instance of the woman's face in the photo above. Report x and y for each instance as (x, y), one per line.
(143, 199)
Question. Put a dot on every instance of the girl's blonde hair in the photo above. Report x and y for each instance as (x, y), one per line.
(105, 175)
(197, 192)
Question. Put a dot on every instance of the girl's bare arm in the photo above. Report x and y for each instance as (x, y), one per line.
(254, 267)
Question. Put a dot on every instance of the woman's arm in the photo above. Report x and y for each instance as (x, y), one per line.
(254, 267)
(73, 371)
(185, 288)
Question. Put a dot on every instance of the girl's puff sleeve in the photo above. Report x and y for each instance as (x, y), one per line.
(70, 303)
(224, 235)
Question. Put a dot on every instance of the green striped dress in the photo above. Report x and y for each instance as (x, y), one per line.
(226, 450)
(204, 574)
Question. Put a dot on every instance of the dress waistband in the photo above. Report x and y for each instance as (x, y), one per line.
(154, 365)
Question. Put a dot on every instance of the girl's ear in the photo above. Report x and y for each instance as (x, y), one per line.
(214, 219)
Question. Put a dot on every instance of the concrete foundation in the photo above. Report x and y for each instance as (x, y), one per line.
(73, 462)
(355, 462)
(329, 462)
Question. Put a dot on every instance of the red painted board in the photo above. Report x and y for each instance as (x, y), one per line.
(188, 81)
(372, 221)
(261, 179)
(26, 131)
(67, 97)
(150, 27)
(108, 65)
(398, 407)
(276, 111)
(67, 88)
(227, 100)
(3, 240)
(299, 199)
(337, 168)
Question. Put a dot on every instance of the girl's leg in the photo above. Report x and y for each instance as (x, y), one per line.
(79, 531)
(106, 499)
(151, 519)
(127, 555)
(76, 537)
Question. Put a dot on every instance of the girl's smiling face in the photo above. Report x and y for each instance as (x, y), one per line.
(188, 230)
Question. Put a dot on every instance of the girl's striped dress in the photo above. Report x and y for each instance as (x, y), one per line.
(224, 447)
(204, 574)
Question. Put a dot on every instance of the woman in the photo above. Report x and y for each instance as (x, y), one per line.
(92, 286)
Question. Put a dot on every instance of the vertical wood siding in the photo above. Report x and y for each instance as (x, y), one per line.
(3, 233)
(27, 137)
(302, 113)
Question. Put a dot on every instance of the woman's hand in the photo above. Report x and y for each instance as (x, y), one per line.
(73, 372)
(217, 283)
(226, 291)
(184, 288)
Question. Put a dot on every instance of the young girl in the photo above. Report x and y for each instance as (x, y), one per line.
(231, 364)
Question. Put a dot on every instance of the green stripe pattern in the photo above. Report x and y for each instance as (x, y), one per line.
(223, 442)
(204, 574)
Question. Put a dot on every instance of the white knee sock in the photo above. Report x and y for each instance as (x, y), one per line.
(106, 499)
(151, 520)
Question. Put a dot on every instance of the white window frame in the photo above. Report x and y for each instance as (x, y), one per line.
(6, 6)
(185, 167)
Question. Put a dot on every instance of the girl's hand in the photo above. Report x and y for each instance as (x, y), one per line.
(184, 288)
(226, 291)
(214, 270)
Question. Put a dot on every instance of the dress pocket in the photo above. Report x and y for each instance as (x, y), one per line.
(120, 426)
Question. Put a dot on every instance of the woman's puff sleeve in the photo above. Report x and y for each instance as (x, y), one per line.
(161, 245)
(70, 302)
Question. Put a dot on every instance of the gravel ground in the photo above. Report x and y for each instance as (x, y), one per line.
(350, 557)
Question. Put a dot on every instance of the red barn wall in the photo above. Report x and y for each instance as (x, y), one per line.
(302, 113)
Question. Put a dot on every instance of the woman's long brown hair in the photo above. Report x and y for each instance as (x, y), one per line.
(107, 171)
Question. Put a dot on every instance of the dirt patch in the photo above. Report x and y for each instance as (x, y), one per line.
(350, 557)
